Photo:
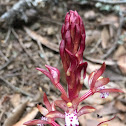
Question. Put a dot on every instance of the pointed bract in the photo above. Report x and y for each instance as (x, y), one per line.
(35, 122)
(42, 110)
(61, 104)
(85, 110)
(47, 103)
(110, 90)
(55, 114)
(96, 75)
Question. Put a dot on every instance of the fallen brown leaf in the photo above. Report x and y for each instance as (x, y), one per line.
(120, 51)
(120, 106)
(14, 117)
(31, 115)
(15, 100)
(92, 36)
(105, 37)
(41, 39)
(122, 63)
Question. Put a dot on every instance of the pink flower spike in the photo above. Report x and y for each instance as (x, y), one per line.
(35, 122)
(106, 121)
(55, 114)
(85, 110)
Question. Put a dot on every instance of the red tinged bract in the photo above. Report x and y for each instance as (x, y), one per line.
(54, 76)
(46, 119)
(97, 82)
(71, 51)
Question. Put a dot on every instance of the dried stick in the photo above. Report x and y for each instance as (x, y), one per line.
(94, 48)
(43, 52)
(110, 1)
(18, 10)
(116, 38)
(42, 40)
(100, 61)
(8, 62)
(1, 53)
(8, 35)
(22, 45)
(15, 88)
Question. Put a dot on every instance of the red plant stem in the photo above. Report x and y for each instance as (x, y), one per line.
(54, 123)
(89, 93)
(106, 121)
(59, 86)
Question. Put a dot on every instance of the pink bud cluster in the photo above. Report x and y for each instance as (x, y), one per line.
(71, 51)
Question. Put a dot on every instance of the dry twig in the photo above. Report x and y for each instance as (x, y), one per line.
(22, 45)
(110, 1)
(18, 11)
(100, 61)
(8, 35)
(94, 48)
(1, 53)
(8, 62)
(16, 89)
(41, 39)
(43, 52)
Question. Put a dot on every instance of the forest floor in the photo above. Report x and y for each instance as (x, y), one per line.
(27, 45)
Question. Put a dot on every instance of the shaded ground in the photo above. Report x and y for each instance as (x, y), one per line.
(22, 50)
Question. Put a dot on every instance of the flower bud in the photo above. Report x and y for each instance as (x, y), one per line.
(71, 51)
